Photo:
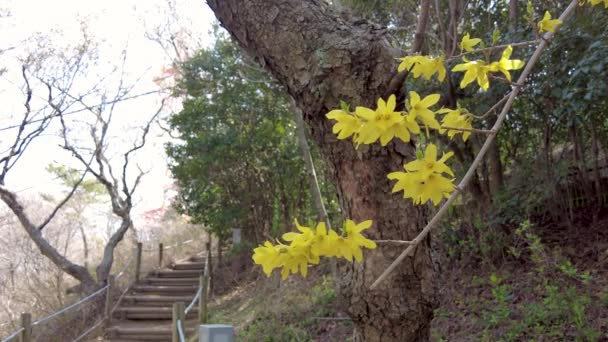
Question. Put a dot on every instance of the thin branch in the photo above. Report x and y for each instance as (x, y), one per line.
(394, 242)
(65, 200)
(495, 47)
(472, 130)
(77, 111)
(467, 177)
(136, 147)
(494, 107)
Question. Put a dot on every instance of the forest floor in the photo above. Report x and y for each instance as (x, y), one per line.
(550, 287)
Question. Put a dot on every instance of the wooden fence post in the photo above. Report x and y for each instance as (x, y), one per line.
(210, 269)
(108, 308)
(138, 262)
(160, 255)
(26, 324)
(178, 314)
(202, 302)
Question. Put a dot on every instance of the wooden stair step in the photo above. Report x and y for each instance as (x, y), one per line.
(149, 312)
(155, 300)
(174, 290)
(171, 281)
(195, 265)
(178, 273)
(153, 330)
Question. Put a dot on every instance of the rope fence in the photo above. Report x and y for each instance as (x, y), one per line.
(201, 297)
(24, 333)
(69, 307)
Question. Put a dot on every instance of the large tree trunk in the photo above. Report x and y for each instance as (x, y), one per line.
(322, 59)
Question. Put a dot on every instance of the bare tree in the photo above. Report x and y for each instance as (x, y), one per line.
(57, 103)
(117, 187)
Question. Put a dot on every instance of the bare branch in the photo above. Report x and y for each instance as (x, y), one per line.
(64, 201)
(136, 147)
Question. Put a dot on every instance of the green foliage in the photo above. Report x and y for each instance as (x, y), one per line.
(237, 164)
(499, 311)
(323, 297)
(558, 311)
(271, 329)
(90, 188)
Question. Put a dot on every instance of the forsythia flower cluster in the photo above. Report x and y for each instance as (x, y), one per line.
(307, 246)
(367, 126)
(479, 70)
(424, 179)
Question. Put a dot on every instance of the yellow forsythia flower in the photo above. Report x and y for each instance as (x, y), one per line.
(475, 70)
(268, 256)
(346, 125)
(597, 2)
(354, 240)
(423, 179)
(376, 123)
(424, 66)
(467, 44)
(505, 64)
(419, 109)
(548, 24)
(455, 118)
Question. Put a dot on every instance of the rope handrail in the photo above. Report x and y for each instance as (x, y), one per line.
(13, 335)
(69, 307)
(191, 305)
(180, 331)
(197, 298)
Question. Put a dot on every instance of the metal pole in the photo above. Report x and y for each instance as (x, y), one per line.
(138, 262)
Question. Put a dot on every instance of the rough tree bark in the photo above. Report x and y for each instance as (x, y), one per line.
(322, 59)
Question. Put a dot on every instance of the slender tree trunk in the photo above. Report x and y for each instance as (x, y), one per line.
(596, 172)
(85, 246)
(104, 267)
(322, 59)
(512, 15)
(317, 198)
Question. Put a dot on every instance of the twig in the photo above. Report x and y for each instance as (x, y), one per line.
(494, 107)
(473, 130)
(467, 177)
(495, 47)
(394, 242)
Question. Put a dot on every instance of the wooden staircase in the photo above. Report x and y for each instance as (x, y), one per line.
(145, 312)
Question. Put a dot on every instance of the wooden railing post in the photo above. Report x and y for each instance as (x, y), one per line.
(138, 262)
(108, 308)
(202, 301)
(160, 255)
(26, 324)
(178, 314)
(209, 268)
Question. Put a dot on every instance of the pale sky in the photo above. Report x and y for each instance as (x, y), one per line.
(115, 25)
